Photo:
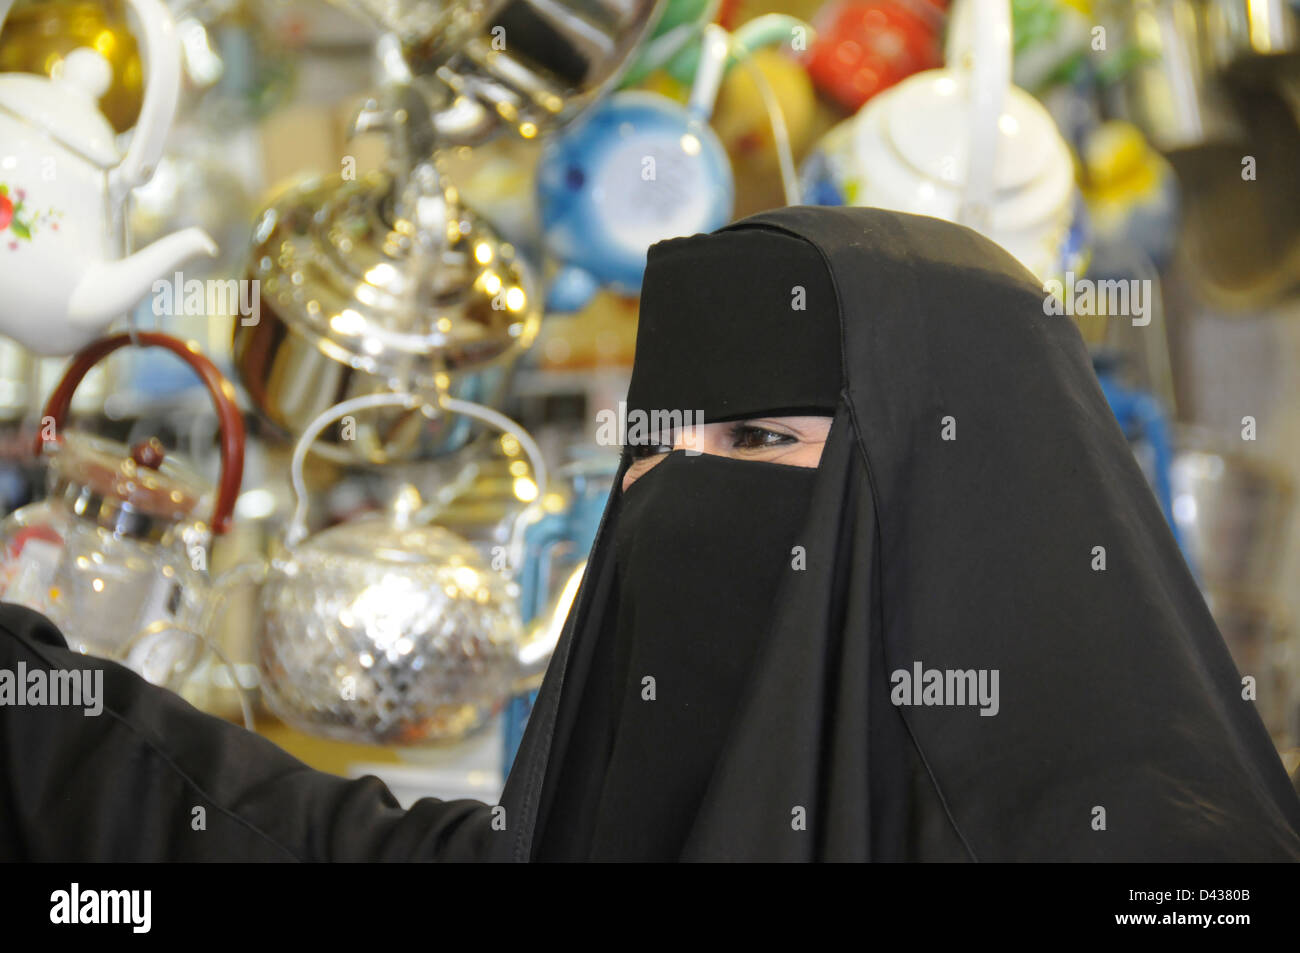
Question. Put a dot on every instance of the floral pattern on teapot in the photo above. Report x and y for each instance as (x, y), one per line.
(17, 218)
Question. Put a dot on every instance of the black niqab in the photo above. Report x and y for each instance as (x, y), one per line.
(700, 545)
(976, 510)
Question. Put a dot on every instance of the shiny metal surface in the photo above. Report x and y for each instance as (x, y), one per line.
(520, 64)
(386, 629)
(1189, 47)
(104, 590)
(541, 62)
(1175, 90)
(1248, 28)
(433, 27)
(97, 481)
(360, 296)
(382, 633)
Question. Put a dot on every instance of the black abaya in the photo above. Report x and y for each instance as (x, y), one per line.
(972, 478)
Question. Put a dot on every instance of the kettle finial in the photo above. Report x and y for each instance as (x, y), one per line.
(406, 504)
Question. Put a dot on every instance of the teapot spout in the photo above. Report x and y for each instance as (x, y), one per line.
(109, 289)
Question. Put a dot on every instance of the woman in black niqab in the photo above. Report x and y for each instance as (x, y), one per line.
(730, 681)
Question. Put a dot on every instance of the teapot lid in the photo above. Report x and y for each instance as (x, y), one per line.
(1028, 135)
(396, 537)
(134, 493)
(337, 263)
(66, 106)
(384, 557)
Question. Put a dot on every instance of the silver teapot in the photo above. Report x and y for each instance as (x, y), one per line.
(386, 629)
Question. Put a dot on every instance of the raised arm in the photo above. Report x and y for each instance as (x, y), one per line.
(151, 778)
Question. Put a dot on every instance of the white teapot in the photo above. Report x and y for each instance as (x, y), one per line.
(63, 193)
(963, 143)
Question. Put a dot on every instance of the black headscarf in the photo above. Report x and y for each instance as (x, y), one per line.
(976, 510)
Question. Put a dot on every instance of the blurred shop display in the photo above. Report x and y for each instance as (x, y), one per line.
(638, 169)
(865, 46)
(1131, 192)
(66, 184)
(1235, 512)
(1053, 43)
(39, 34)
(554, 559)
(963, 143)
(401, 241)
(350, 305)
(1217, 88)
(116, 555)
(238, 64)
(521, 64)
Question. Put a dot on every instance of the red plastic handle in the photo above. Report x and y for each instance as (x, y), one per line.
(220, 389)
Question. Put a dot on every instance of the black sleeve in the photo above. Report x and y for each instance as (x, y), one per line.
(151, 778)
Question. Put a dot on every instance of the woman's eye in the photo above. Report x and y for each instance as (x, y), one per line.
(747, 437)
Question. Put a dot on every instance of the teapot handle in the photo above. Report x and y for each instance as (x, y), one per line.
(297, 528)
(708, 76)
(162, 52)
(220, 389)
(979, 43)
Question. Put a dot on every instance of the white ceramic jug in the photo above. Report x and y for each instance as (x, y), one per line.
(63, 191)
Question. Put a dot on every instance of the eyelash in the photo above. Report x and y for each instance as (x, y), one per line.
(740, 433)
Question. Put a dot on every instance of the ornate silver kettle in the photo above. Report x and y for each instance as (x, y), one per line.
(387, 629)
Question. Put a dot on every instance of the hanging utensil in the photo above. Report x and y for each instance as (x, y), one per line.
(387, 630)
(117, 554)
(380, 284)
